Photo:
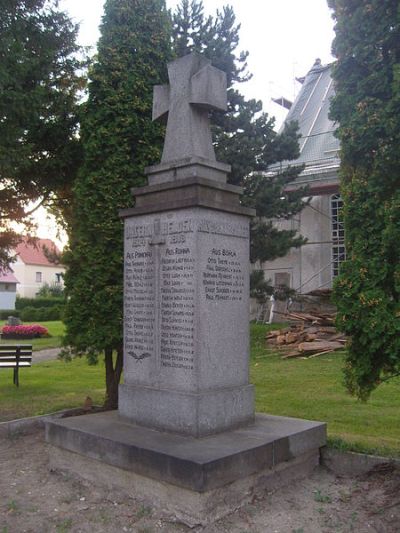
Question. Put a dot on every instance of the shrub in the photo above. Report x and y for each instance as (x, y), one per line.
(41, 314)
(28, 314)
(5, 313)
(53, 313)
(40, 309)
(24, 332)
(21, 303)
(55, 290)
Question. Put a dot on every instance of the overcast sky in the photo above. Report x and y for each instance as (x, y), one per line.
(284, 37)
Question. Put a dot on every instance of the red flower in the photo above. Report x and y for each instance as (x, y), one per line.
(32, 330)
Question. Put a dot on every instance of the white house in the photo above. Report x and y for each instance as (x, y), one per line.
(314, 265)
(33, 268)
(8, 289)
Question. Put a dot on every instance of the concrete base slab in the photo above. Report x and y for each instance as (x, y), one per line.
(195, 480)
(179, 504)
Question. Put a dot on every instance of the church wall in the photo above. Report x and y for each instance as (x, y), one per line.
(308, 267)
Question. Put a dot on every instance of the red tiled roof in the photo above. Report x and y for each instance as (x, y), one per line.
(33, 253)
(7, 276)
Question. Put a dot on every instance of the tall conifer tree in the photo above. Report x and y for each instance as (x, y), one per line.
(367, 107)
(119, 141)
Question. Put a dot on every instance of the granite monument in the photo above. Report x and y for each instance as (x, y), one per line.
(186, 274)
(185, 437)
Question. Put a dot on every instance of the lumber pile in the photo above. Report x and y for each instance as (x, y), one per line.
(308, 335)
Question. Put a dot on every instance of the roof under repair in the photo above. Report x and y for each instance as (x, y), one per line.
(319, 148)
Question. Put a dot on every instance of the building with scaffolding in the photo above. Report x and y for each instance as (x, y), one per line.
(313, 266)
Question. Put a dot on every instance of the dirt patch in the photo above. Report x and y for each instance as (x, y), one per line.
(34, 499)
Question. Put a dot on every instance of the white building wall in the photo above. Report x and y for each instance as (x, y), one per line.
(27, 275)
(7, 295)
(19, 272)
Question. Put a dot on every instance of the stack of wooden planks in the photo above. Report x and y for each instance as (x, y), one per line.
(308, 335)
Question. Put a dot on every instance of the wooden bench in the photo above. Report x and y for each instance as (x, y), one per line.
(15, 356)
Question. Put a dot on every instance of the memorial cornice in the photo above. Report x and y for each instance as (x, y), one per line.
(189, 192)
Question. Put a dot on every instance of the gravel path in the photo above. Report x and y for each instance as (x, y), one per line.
(45, 355)
(35, 499)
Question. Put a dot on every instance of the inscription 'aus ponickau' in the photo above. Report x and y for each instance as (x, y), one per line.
(139, 304)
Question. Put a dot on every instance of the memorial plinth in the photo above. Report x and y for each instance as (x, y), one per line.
(185, 437)
(192, 480)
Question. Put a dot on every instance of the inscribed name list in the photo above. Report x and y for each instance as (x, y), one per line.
(180, 269)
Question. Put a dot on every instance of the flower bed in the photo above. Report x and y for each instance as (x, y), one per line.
(24, 332)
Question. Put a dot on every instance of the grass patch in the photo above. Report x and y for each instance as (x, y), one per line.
(50, 386)
(56, 330)
(313, 389)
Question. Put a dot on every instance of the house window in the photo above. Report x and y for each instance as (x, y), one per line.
(58, 277)
(282, 283)
(282, 279)
(338, 246)
(38, 277)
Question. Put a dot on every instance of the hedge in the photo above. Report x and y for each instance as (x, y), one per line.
(5, 313)
(33, 314)
(41, 301)
(41, 314)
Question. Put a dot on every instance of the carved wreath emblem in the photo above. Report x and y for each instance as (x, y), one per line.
(139, 357)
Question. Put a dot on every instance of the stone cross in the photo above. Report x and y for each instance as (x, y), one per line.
(195, 88)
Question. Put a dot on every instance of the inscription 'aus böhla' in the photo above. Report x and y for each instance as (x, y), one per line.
(223, 279)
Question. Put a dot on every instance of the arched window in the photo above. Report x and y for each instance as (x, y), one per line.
(338, 246)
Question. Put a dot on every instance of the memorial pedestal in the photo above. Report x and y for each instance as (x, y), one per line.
(186, 314)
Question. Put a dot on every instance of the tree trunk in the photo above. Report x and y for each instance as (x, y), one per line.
(113, 376)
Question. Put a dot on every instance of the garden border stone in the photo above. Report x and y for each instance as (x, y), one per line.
(24, 426)
(346, 463)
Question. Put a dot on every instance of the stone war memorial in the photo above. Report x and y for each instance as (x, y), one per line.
(185, 438)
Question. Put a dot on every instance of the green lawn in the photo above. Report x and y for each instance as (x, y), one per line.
(50, 386)
(310, 389)
(56, 331)
(313, 389)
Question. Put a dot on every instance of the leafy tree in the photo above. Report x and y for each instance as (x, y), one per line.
(367, 106)
(244, 137)
(39, 87)
(119, 141)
